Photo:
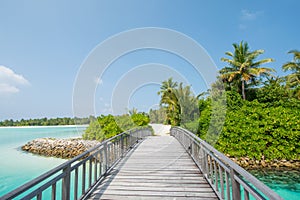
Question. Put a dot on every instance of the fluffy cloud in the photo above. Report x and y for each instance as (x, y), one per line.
(10, 81)
(249, 16)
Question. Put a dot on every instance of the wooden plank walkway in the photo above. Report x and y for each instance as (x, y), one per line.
(159, 168)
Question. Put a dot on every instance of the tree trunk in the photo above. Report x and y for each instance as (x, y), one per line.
(243, 90)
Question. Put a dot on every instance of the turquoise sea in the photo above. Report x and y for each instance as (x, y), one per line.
(18, 167)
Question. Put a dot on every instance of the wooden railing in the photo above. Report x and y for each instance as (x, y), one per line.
(228, 180)
(76, 177)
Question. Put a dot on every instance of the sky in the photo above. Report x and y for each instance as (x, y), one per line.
(46, 46)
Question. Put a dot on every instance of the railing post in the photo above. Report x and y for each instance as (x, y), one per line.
(122, 146)
(203, 161)
(105, 157)
(66, 183)
(236, 190)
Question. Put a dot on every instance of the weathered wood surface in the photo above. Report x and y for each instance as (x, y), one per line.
(159, 168)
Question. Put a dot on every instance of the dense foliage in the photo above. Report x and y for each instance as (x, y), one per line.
(262, 118)
(178, 102)
(257, 130)
(47, 122)
(105, 127)
(158, 116)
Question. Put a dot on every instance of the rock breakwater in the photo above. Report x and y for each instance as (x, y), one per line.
(250, 164)
(60, 148)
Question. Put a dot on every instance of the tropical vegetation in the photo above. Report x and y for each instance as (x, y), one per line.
(249, 111)
(47, 121)
(178, 102)
(244, 70)
(293, 79)
(104, 127)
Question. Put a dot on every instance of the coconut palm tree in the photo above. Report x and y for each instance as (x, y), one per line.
(294, 66)
(167, 86)
(172, 107)
(293, 79)
(187, 103)
(169, 99)
(243, 69)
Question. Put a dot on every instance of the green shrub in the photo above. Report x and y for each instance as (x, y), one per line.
(108, 126)
(255, 129)
(140, 119)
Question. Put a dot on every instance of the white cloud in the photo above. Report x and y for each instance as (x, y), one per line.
(249, 16)
(6, 88)
(10, 81)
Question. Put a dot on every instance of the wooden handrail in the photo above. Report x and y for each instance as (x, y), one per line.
(218, 170)
(66, 176)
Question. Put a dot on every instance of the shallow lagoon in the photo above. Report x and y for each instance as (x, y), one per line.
(18, 167)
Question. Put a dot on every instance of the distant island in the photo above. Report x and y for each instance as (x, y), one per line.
(48, 122)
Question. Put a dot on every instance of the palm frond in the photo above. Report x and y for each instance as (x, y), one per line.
(228, 53)
(290, 66)
(296, 54)
(263, 61)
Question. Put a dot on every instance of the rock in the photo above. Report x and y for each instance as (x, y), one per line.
(263, 163)
(248, 164)
(62, 148)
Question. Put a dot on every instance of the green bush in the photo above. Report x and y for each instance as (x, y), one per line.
(108, 126)
(140, 119)
(192, 126)
(255, 129)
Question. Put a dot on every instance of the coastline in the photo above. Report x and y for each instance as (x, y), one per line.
(52, 126)
(276, 164)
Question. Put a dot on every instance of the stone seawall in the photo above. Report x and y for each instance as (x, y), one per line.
(249, 164)
(60, 148)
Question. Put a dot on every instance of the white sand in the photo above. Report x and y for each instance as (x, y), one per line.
(161, 129)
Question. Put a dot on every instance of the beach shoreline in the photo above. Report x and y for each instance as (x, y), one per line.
(52, 126)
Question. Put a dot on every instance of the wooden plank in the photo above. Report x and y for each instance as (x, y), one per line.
(150, 177)
(159, 174)
(156, 189)
(119, 197)
(160, 184)
(158, 169)
(159, 193)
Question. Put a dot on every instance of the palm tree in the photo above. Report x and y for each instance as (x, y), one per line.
(168, 98)
(133, 111)
(187, 103)
(294, 66)
(167, 86)
(243, 69)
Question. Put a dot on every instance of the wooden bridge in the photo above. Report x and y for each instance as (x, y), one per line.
(137, 165)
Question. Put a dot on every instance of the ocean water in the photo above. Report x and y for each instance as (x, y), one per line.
(17, 166)
(285, 183)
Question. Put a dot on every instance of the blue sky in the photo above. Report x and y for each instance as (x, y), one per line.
(43, 44)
